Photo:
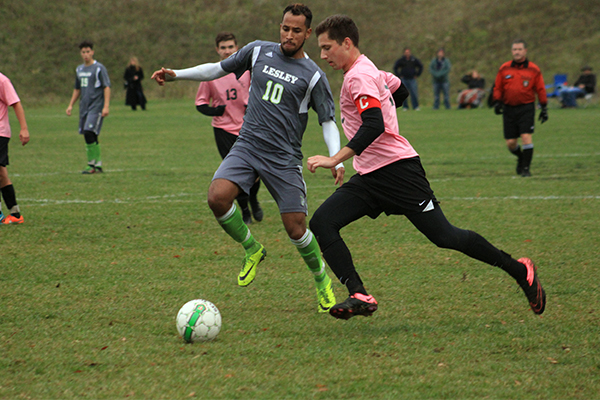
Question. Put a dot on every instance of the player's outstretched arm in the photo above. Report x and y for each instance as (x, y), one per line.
(201, 73)
(160, 76)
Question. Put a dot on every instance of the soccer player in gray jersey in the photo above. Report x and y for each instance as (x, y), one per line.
(93, 86)
(285, 84)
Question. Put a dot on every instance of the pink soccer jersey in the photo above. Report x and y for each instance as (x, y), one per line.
(230, 92)
(365, 79)
(8, 97)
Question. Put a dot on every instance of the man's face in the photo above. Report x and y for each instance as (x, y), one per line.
(407, 53)
(519, 52)
(87, 55)
(226, 48)
(293, 33)
(337, 55)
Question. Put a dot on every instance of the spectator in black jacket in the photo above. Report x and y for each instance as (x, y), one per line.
(408, 68)
(585, 85)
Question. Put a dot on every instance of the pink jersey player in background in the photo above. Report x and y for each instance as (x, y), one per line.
(225, 99)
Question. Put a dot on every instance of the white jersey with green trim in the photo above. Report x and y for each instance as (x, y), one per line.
(282, 90)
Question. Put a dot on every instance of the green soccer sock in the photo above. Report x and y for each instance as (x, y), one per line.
(97, 155)
(90, 151)
(309, 250)
(235, 227)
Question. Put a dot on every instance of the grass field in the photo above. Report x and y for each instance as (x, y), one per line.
(91, 283)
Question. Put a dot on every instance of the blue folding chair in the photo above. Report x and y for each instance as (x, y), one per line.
(559, 81)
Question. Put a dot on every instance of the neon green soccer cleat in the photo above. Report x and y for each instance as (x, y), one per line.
(249, 265)
(326, 296)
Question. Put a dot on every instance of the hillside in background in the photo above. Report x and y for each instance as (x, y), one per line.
(38, 38)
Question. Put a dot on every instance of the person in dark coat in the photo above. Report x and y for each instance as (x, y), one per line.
(133, 84)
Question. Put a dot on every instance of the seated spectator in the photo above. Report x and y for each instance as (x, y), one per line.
(585, 85)
(472, 96)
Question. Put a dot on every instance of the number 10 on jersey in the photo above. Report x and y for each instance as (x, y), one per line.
(274, 95)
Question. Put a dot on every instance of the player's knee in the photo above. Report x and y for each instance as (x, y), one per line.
(90, 137)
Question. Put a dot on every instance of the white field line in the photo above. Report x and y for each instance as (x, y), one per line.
(201, 197)
(595, 154)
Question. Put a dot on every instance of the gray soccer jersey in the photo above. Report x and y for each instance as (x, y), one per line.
(281, 92)
(91, 81)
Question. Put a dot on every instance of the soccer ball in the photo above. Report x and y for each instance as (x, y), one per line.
(198, 321)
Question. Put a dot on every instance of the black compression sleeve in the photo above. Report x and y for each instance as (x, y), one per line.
(372, 126)
(400, 95)
(211, 111)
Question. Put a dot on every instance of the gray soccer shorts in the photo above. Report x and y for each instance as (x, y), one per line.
(91, 122)
(283, 179)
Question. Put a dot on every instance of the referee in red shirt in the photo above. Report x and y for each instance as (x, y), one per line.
(515, 87)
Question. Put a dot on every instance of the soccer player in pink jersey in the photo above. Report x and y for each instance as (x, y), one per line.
(390, 178)
(9, 98)
(225, 99)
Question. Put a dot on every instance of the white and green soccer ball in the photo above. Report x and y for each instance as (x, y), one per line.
(198, 321)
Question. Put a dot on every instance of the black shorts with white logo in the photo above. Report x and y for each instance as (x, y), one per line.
(4, 151)
(518, 119)
(400, 188)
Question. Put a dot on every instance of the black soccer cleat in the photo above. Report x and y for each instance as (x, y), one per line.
(525, 172)
(357, 304)
(532, 287)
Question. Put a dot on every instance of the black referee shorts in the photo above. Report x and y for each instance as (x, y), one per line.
(518, 119)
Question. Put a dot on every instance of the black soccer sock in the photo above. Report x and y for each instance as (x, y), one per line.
(434, 225)
(339, 259)
(242, 200)
(10, 198)
(516, 151)
(480, 249)
(527, 155)
(253, 193)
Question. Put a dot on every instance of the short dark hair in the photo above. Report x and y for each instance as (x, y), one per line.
(299, 9)
(520, 41)
(223, 37)
(86, 43)
(338, 27)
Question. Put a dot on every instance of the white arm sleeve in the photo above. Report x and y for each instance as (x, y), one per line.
(202, 72)
(331, 135)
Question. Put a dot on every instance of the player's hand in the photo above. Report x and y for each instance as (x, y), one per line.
(219, 110)
(105, 111)
(338, 174)
(24, 136)
(499, 108)
(160, 76)
(69, 109)
(543, 114)
(315, 162)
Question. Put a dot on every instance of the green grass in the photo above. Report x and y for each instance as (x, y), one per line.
(91, 283)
